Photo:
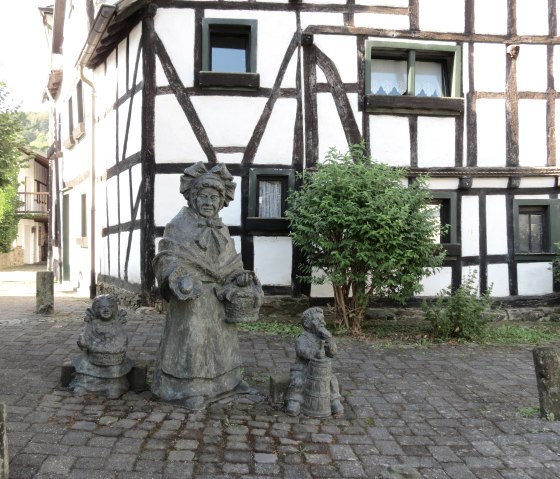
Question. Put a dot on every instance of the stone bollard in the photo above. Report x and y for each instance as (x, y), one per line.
(45, 292)
(547, 369)
(4, 458)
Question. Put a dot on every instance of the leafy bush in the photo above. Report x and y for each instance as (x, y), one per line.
(461, 313)
(556, 265)
(364, 229)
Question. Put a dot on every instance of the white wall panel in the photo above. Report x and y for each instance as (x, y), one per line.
(231, 158)
(275, 32)
(390, 139)
(134, 275)
(231, 215)
(496, 224)
(273, 260)
(111, 193)
(490, 182)
(167, 198)
(443, 183)
(471, 272)
(434, 284)
(531, 68)
(532, 17)
(277, 142)
(133, 137)
(556, 67)
(134, 45)
(342, 51)
(384, 3)
(175, 28)
(532, 133)
(442, 15)
(106, 142)
(321, 18)
(469, 226)
(490, 16)
(330, 127)
(498, 279)
(379, 20)
(491, 132)
(534, 279)
(228, 120)
(436, 141)
(124, 194)
(489, 67)
(122, 67)
(538, 182)
(175, 141)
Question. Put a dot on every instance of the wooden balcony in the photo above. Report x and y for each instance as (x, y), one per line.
(35, 204)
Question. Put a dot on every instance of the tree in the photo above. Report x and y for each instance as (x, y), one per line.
(10, 140)
(362, 228)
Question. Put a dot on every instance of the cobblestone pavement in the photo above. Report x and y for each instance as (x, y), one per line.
(423, 412)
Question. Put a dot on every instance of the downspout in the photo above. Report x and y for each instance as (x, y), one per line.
(93, 279)
(98, 29)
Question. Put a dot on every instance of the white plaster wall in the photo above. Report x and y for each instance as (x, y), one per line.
(231, 215)
(133, 46)
(534, 279)
(556, 67)
(384, 3)
(108, 93)
(434, 284)
(490, 182)
(277, 143)
(442, 15)
(334, 2)
(229, 121)
(330, 127)
(498, 279)
(490, 16)
(443, 183)
(538, 182)
(390, 139)
(112, 199)
(273, 260)
(532, 133)
(379, 20)
(133, 143)
(342, 51)
(532, 17)
(489, 67)
(531, 68)
(231, 158)
(275, 32)
(237, 243)
(491, 132)
(105, 145)
(175, 141)
(124, 205)
(175, 28)
(121, 73)
(465, 69)
(136, 173)
(113, 267)
(134, 275)
(496, 224)
(436, 141)
(471, 271)
(469, 226)
(321, 18)
(167, 198)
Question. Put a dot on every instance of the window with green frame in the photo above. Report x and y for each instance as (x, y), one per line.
(413, 76)
(536, 227)
(229, 53)
(444, 207)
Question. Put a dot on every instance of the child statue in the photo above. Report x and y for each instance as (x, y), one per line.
(313, 388)
(103, 365)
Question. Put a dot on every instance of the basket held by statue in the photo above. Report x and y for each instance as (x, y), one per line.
(242, 304)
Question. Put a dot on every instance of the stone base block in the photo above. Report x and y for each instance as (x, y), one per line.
(547, 369)
(4, 458)
(278, 388)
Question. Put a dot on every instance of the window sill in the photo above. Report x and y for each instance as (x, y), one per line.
(79, 132)
(534, 257)
(415, 105)
(245, 81)
(69, 143)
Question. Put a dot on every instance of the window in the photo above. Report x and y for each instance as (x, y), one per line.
(536, 227)
(409, 77)
(229, 53)
(444, 207)
(268, 193)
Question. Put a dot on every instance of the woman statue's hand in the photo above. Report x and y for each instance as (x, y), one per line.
(244, 279)
(185, 288)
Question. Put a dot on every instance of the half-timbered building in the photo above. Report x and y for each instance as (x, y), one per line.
(465, 91)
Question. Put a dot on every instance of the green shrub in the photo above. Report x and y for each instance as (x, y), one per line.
(461, 313)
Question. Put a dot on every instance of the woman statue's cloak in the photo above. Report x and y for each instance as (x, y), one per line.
(199, 352)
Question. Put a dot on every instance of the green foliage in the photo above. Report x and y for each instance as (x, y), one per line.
(521, 334)
(36, 130)
(271, 327)
(10, 140)
(365, 230)
(556, 265)
(530, 412)
(460, 314)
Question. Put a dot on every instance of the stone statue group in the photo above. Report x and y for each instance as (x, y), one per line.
(208, 291)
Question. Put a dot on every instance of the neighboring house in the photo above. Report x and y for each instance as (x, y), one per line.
(33, 195)
(464, 91)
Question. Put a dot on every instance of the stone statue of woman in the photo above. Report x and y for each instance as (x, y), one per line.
(202, 278)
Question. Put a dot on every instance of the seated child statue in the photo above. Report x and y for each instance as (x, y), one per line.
(315, 342)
